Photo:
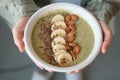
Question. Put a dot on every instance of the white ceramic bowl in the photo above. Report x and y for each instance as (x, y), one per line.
(86, 15)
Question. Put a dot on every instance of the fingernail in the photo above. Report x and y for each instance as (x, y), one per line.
(103, 51)
(21, 50)
(50, 71)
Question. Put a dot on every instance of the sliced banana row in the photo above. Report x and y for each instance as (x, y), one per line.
(58, 40)
(62, 57)
(58, 25)
(57, 18)
(58, 47)
(58, 32)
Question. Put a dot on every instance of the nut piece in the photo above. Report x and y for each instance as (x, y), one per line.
(72, 33)
(71, 22)
(68, 30)
(70, 38)
(72, 27)
(74, 57)
(68, 18)
(69, 48)
(74, 17)
(72, 44)
(77, 49)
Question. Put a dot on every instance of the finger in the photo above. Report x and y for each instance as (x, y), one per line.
(79, 70)
(105, 45)
(40, 66)
(18, 38)
(20, 45)
(49, 70)
(70, 72)
(107, 36)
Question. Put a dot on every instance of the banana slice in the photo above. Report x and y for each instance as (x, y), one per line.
(58, 32)
(58, 53)
(58, 47)
(58, 40)
(58, 25)
(64, 59)
(57, 18)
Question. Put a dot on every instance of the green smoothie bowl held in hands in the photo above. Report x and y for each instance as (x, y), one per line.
(62, 37)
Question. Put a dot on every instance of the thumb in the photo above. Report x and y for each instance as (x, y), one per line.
(18, 38)
(18, 33)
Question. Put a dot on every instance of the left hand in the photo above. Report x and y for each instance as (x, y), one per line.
(107, 39)
(18, 33)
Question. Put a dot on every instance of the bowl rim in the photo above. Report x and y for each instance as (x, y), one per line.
(31, 53)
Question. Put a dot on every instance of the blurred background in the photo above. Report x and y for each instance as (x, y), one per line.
(17, 66)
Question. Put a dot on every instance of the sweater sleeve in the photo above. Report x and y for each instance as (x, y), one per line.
(18, 9)
(104, 10)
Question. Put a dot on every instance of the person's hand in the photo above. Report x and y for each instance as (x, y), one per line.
(18, 34)
(77, 71)
(107, 36)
